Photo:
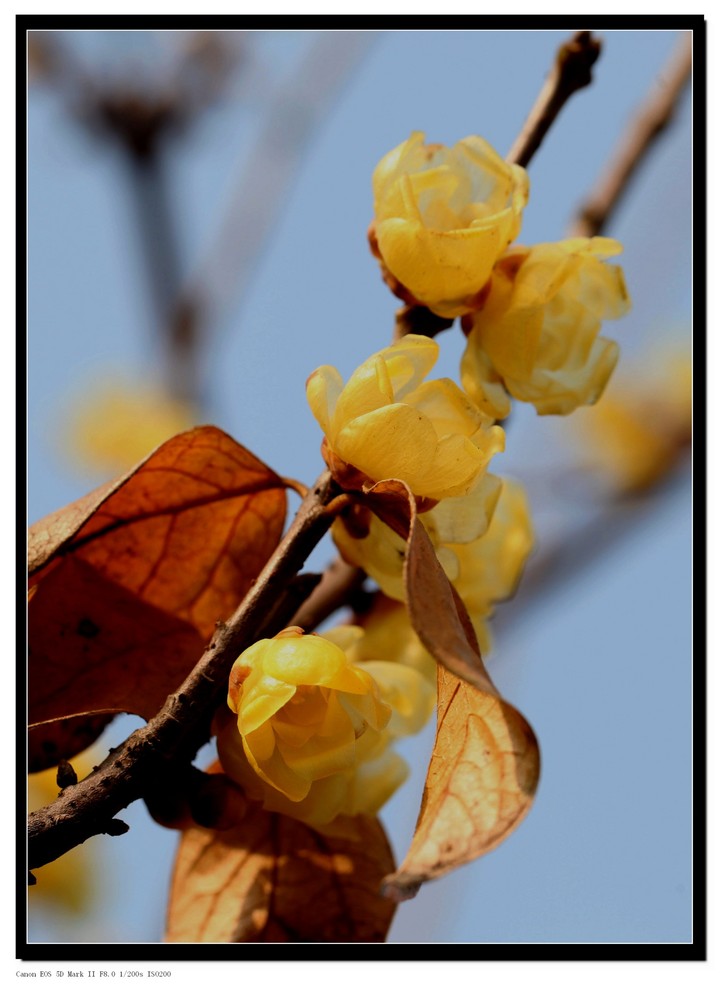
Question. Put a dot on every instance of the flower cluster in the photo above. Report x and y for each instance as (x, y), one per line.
(444, 223)
(314, 718)
(115, 424)
(642, 427)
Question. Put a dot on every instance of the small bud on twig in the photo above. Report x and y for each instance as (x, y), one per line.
(66, 775)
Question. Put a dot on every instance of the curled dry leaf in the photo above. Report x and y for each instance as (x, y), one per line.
(272, 878)
(436, 610)
(481, 780)
(129, 582)
(485, 764)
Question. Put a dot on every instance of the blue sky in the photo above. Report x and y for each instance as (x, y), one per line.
(602, 667)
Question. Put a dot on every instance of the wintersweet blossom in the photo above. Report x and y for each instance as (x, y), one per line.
(639, 430)
(115, 424)
(443, 216)
(387, 648)
(536, 335)
(308, 734)
(484, 569)
(387, 422)
(388, 632)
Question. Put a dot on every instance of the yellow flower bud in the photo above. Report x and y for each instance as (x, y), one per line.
(537, 331)
(308, 728)
(443, 216)
(386, 422)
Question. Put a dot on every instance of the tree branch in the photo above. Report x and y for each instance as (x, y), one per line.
(651, 119)
(183, 725)
(571, 71)
(336, 588)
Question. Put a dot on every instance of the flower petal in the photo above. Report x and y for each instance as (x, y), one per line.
(395, 441)
(323, 390)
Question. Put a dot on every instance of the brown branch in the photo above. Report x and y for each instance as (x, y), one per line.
(339, 583)
(183, 725)
(651, 119)
(571, 71)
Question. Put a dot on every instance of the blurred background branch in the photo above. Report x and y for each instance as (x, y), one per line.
(145, 117)
(654, 114)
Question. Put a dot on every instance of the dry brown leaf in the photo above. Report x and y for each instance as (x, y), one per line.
(485, 764)
(49, 743)
(95, 646)
(272, 878)
(129, 581)
(187, 531)
(436, 610)
(48, 535)
(480, 784)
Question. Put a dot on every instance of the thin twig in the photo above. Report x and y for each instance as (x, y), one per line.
(651, 119)
(571, 71)
(339, 583)
(183, 725)
(141, 119)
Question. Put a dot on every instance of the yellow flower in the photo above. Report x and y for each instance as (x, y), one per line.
(537, 332)
(443, 216)
(388, 649)
(635, 436)
(387, 422)
(489, 568)
(307, 738)
(388, 633)
(484, 568)
(116, 424)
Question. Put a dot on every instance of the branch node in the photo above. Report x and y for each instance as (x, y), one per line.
(339, 504)
(116, 827)
(575, 60)
(66, 775)
(572, 70)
